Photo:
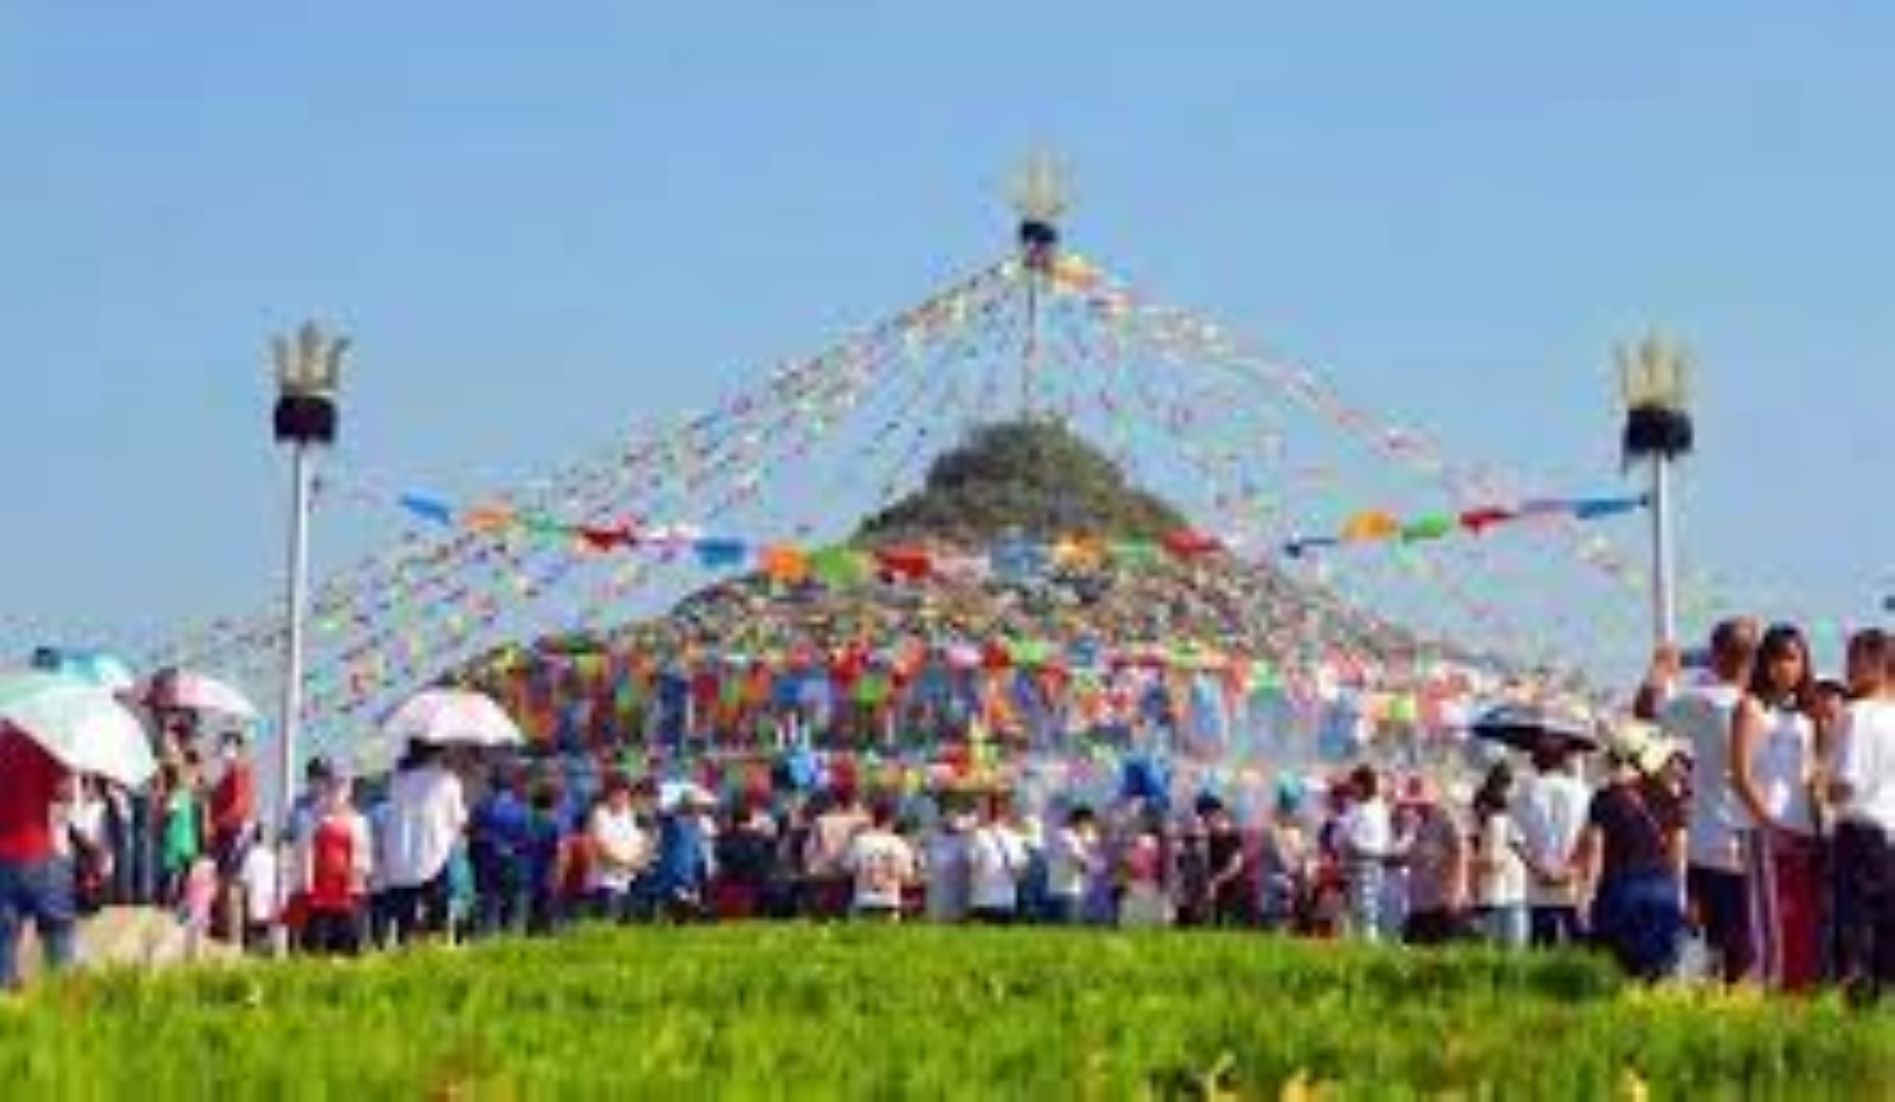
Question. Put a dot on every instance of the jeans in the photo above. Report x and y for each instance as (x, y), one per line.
(1065, 910)
(1639, 920)
(417, 910)
(1721, 901)
(1555, 926)
(1864, 886)
(1365, 901)
(40, 891)
(1507, 926)
(503, 905)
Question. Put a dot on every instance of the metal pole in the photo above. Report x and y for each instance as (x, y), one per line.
(292, 718)
(1031, 357)
(1664, 603)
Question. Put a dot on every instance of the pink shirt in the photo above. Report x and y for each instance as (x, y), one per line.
(1144, 860)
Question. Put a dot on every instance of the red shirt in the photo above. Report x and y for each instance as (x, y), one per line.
(234, 800)
(29, 783)
(332, 885)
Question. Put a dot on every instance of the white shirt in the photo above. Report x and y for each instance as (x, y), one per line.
(1701, 716)
(1780, 764)
(997, 860)
(426, 813)
(1367, 832)
(1865, 761)
(1550, 815)
(621, 849)
(259, 884)
(1502, 879)
(882, 863)
(1069, 864)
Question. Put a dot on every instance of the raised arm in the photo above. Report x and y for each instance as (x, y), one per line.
(1660, 676)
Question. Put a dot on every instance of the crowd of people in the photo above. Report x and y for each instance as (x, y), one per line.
(1747, 813)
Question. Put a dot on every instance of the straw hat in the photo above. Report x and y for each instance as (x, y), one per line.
(1640, 745)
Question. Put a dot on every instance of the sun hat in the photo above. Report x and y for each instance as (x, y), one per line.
(1639, 745)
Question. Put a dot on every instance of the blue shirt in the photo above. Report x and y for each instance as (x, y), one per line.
(501, 832)
(683, 863)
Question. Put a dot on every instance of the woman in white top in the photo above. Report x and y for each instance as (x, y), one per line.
(620, 852)
(1500, 872)
(1072, 861)
(1774, 770)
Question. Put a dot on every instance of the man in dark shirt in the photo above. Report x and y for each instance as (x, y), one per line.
(35, 881)
(1233, 891)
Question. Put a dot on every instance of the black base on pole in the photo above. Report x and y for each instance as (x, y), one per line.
(305, 419)
(1038, 240)
(1653, 431)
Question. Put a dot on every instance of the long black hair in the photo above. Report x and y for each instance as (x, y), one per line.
(1780, 640)
(1495, 791)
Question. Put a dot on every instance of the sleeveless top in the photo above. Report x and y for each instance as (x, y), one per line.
(1781, 762)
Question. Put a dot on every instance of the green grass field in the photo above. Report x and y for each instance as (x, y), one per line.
(762, 1011)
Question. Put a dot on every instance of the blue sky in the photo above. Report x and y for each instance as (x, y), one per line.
(543, 225)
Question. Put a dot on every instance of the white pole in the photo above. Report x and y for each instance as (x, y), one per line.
(1664, 601)
(292, 717)
(1030, 358)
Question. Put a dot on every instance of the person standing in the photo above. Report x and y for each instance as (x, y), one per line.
(1551, 813)
(232, 813)
(1437, 870)
(1366, 837)
(262, 892)
(1702, 713)
(1144, 904)
(1500, 871)
(619, 850)
(1073, 860)
(1631, 854)
(1863, 790)
(336, 860)
(36, 885)
(1774, 765)
(686, 841)
(997, 860)
(950, 874)
(834, 828)
(426, 815)
(497, 848)
(1233, 889)
(1283, 863)
(746, 860)
(83, 834)
(545, 847)
(1191, 873)
(181, 827)
(883, 864)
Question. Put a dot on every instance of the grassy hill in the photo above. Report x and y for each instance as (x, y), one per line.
(1036, 478)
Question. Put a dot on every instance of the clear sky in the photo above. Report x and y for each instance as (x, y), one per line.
(541, 222)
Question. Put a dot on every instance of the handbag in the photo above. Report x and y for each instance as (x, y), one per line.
(89, 874)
